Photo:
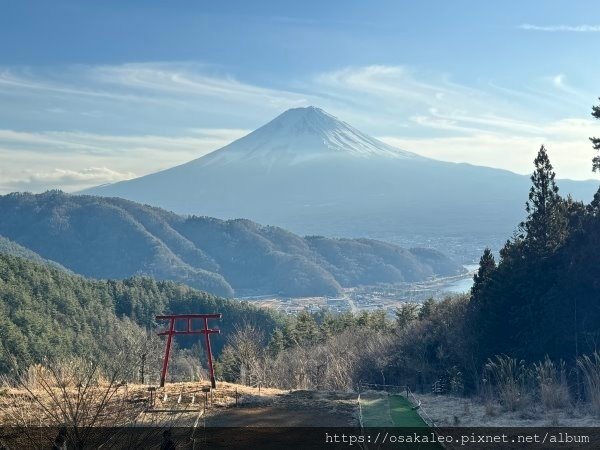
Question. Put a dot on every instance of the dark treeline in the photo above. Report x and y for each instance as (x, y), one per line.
(543, 297)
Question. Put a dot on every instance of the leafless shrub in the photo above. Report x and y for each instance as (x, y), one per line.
(590, 367)
(141, 351)
(243, 358)
(72, 395)
(335, 364)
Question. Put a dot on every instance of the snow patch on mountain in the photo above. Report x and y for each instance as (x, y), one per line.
(300, 135)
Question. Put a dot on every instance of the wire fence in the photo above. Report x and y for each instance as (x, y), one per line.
(419, 407)
(361, 422)
(360, 415)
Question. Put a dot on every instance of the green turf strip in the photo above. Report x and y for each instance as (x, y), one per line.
(382, 410)
(376, 412)
(402, 414)
(394, 412)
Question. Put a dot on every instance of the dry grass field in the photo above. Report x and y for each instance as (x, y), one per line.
(448, 410)
(104, 413)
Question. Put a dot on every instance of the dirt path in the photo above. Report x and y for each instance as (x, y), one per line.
(284, 421)
(295, 409)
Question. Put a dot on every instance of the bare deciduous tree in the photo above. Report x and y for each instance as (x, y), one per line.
(73, 395)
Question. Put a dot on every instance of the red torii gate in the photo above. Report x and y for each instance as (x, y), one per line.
(171, 331)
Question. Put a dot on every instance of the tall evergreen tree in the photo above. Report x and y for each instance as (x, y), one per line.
(596, 140)
(277, 343)
(594, 207)
(487, 264)
(426, 309)
(405, 314)
(546, 226)
(575, 213)
(306, 328)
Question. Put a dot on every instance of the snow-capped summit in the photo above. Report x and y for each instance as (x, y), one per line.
(302, 134)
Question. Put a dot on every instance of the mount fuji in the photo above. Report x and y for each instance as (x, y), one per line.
(300, 135)
(314, 174)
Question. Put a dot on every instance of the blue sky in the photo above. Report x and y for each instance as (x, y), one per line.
(94, 92)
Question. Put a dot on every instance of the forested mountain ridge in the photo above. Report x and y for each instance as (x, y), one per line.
(116, 238)
(9, 247)
(48, 313)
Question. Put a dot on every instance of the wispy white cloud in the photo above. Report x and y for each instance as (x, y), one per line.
(566, 140)
(561, 83)
(197, 143)
(154, 83)
(75, 160)
(67, 179)
(22, 80)
(436, 102)
(561, 28)
(480, 125)
(86, 175)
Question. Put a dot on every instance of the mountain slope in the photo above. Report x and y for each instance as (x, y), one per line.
(8, 247)
(314, 174)
(116, 238)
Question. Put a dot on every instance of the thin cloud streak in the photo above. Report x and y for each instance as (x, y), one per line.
(158, 83)
(65, 179)
(561, 28)
(73, 160)
(565, 139)
(199, 143)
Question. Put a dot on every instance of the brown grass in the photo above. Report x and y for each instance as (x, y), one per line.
(551, 380)
(510, 378)
(590, 366)
(16, 403)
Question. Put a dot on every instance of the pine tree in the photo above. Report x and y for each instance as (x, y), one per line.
(306, 330)
(594, 207)
(426, 309)
(595, 140)
(228, 365)
(487, 264)
(405, 314)
(328, 327)
(277, 343)
(546, 226)
(575, 213)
